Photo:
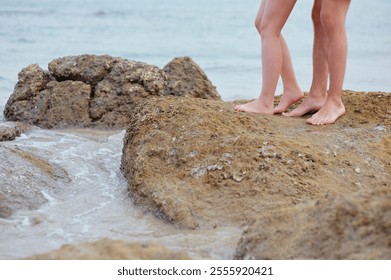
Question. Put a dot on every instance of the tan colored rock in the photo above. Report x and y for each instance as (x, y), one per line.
(99, 91)
(186, 78)
(89, 69)
(81, 91)
(66, 105)
(197, 164)
(25, 104)
(335, 227)
(106, 249)
(116, 96)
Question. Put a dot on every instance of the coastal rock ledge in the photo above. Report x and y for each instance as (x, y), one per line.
(98, 91)
(299, 191)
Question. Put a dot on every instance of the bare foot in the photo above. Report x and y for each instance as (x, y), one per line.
(255, 107)
(329, 113)
(287, 99)
(309, 104)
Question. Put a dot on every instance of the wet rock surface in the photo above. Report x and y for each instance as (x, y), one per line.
(24, 179)
(198, 164)
(11, 130)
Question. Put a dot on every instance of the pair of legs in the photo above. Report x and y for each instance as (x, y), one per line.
(329, 59)
(276, 60)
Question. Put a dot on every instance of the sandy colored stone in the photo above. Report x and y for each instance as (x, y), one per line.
(334, 227)
(106, 249)
(116, 96)
(186, 78)
(25, 104)
(99, 91)
(89, 69)
(83, 91)
(66, 105)
(197, 163)
(10, 130)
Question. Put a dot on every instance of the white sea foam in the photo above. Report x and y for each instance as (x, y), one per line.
(94, 203)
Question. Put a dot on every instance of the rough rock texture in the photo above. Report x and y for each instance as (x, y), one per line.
(65, 104)
(82, 91)
(197, 163)
(89, 69)
(98, 91)
(23, 178)
(118, 93)
(186, 78)
(334, 227)
(25, 103)
(11, 130)
(112, 250)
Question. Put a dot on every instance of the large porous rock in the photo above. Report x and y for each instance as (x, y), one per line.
(65, 104)
(25, 104)
(119, 92)
(89, 69)
(334, 227)
(24, 178)
(186, 78)
(11, 130)
(106, 249)
(197, 163)
(99, 91)
(83, 91)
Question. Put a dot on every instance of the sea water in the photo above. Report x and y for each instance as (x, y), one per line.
(219, 35)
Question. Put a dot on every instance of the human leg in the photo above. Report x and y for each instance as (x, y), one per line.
(333, 17)
(274, 16)
(292, 92)
(318, 91)
(259, 16)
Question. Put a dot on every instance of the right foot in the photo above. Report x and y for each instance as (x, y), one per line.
(330, 112)
(255, 107)
(309, 104)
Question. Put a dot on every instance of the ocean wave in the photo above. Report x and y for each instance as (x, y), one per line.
(108, 13)
(17, 12)
(25, 40)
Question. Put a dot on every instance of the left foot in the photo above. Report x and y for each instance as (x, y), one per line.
(255, 107)
(329, 113)
(288, 99)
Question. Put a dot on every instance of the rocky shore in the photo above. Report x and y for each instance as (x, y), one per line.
(298, 191)
(106, 249)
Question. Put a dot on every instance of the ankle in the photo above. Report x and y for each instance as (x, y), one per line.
(335, 99)
(292, 88)
(265, 103)
(318, 92)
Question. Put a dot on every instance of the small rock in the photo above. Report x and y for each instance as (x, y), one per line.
(380, 128)
(186, 78)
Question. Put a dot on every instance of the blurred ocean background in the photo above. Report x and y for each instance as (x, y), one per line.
(219, 35)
